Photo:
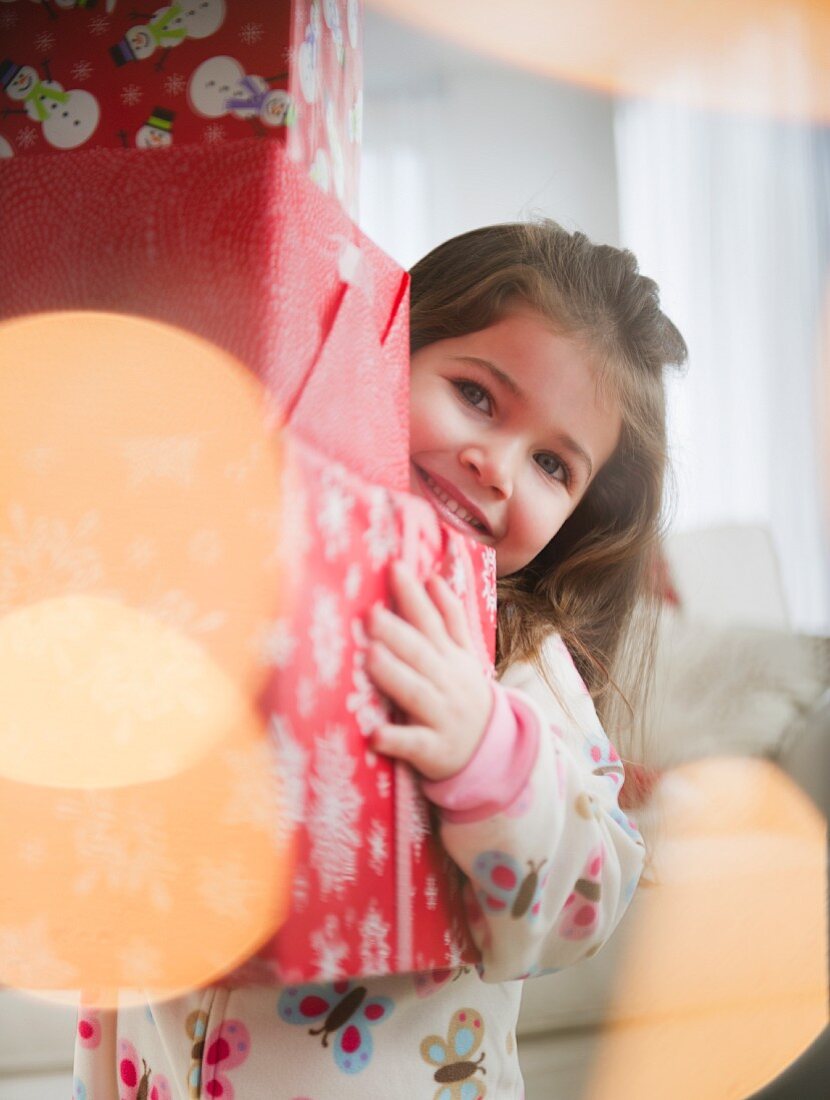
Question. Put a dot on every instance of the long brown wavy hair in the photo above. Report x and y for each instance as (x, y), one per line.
(592, 583)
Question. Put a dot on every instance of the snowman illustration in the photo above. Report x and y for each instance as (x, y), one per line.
(167, 28)
(67, 118)
(157, 131)
(220, 86)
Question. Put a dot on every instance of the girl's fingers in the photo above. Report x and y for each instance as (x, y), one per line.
(414, 744)
(451, 610)
(415, 605)
(407, 643)
(406, 687)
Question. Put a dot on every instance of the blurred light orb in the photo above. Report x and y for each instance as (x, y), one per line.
(766, 56)
(140, 478)
(141, 840)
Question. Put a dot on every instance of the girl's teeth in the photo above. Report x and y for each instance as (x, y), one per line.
(453, 505)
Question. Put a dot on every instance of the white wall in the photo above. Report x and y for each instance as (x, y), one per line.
(452, 141)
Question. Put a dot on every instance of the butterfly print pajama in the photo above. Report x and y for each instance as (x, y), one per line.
(550, 862)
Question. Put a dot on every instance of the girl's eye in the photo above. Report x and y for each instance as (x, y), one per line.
(554, 467)
(473, 394)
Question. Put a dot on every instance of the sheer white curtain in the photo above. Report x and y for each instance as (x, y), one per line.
(401, 170)
(728, 213)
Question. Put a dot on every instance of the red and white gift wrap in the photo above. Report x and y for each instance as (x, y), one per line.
(111, 73)
(374, 892)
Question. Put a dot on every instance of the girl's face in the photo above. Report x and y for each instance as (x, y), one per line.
(507, 432)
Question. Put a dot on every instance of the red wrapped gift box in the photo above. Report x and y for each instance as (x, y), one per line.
(239, 246)
(373, 890)
(85, 74)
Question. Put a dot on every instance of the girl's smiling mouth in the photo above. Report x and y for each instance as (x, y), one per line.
(459, 512)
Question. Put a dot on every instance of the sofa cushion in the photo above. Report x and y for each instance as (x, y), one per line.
(730, 689)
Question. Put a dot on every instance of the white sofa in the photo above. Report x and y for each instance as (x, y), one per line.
(717, 976)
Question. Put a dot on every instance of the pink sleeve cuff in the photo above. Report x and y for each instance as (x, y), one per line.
(498, 771)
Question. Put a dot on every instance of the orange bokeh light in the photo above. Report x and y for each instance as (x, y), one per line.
(767, 56)
(141, 558)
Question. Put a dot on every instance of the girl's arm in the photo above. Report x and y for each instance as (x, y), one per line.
(526, 780)
(552, 867)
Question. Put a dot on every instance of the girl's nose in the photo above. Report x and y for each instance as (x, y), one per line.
(492, 465)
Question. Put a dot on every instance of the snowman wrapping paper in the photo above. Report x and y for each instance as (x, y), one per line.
(89, 73)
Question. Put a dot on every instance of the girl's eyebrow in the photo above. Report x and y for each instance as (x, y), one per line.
(497, 372)
(567, 442)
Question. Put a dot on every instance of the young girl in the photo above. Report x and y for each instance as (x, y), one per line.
(538, 427)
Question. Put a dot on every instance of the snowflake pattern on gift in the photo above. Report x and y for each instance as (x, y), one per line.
(41, 459)
(214, 133)
(161, 458)
(353, 581)
(141, 963)
(454, 950)
(8, 19)
(384, 783)
(306, 696)
(131, 692)
(277, 644)
(27, 137)
(44, 42)
(123, 850)
(259, 790)
(374, 941)
(251, 33)
(141, 552)
(131, 94)
(488, 585)
(300, 890)
(456, 573)
(31, 851)
(381, 536)
(335, 507)
(419, 827)
(174, 84)
(32, 957)
(175, 608)
(378, 846)
(98, 25)
(204, 547)
(370, 709)
(327, 636)
(42, 557)
(53, 632)
(431, 891)
(81, 71)
(329, 949)
(292, 768)
(224, 886)
(334, 814)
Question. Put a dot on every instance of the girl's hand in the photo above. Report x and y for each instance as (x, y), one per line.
(423, 658)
